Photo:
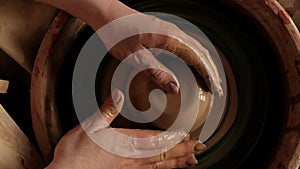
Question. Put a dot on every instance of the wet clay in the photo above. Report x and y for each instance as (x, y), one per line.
(140, 89)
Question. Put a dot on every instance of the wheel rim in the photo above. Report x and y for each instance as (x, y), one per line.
(231, 151)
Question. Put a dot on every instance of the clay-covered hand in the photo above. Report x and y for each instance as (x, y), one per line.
(135, 34)
(79, 148)
(122, 20)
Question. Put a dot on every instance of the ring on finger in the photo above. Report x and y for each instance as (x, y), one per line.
(108, 114)
(163, 155)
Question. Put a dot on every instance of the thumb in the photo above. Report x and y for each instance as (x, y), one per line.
(143, 59)
(112, 106)
(107, 113)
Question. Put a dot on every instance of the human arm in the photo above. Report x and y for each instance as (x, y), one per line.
(80, 148)
(98, 13)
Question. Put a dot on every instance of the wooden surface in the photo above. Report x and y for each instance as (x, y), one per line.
(23, 24)
(293, 8)
(3, 86)
(16, 150)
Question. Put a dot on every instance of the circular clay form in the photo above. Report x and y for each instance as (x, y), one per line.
(143, 95)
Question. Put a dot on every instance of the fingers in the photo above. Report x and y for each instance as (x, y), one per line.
(136, 143)
(182, 149)
(107, 113)
(189, 56)
(180, 156)
(144, 144)
(142, 59)
(153, 140)
(153, 146)
(158, 73)
(185, 148)
(164, 80)
(190, 51)
(180, 162)
(112, 106)
(153, 32)
(194, 54)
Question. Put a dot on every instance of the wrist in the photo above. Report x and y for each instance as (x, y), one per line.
(114, 10)
(95, 13)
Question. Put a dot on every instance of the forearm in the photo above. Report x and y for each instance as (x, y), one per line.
(95, 13)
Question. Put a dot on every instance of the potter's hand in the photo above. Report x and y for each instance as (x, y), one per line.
(141, 33)
(98, 13)
(137, 49)
(78, 148)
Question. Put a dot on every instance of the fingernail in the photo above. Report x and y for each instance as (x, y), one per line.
(172, 88)
(199, 147)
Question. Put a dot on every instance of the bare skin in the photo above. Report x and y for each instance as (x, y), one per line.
(77, 150)
(98, 13)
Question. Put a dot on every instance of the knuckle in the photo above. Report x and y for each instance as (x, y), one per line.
(157, 75)
(161, 77)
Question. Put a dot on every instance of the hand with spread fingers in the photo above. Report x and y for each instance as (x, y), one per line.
(113, 19)
(81, 147)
